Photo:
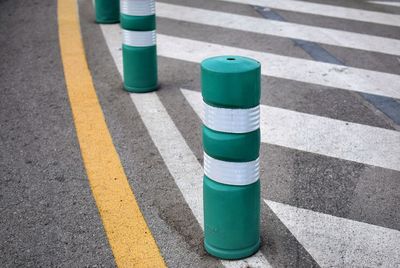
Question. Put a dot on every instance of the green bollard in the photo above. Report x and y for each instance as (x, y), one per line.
(139, 52)
(107, 11)
(231, 140)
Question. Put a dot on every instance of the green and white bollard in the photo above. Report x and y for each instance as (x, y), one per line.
(107, 11)
(139, 52)
(231, 140)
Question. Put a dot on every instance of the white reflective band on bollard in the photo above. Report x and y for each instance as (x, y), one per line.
(231, 173)
(231, 120)
(138, 7)
(138, 38)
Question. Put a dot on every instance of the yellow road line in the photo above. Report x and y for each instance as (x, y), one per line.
(130, 238)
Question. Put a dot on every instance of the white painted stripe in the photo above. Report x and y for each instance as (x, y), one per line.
(231, 173)
(386, 3)
(139, 38)
(177, 155)
(137, 7)
(231, 120)
(326, 74)
(330, 75)
(179, 159)
(279, 28)
(340, 242)
(320, 135)
(326, 10)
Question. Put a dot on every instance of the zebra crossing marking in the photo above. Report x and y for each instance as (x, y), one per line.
(338, 242)
(386, 3)
(154, 107)
(330, 75)
(279, 28)
(180, 161)
(326, 10)
(178, 157)
(321, 135)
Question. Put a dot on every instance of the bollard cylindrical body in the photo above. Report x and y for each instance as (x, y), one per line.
(139, 51)
(231, 140)
(107, 11)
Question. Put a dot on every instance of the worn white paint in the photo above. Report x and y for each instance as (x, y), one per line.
(320, 135)
(179, 159)
(326, 74)
(340, 242)
(279, 28)
(386, 3)
(326, 10)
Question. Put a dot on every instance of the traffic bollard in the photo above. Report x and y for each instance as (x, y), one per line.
(139, 52)
(107, 11)
(231, 141)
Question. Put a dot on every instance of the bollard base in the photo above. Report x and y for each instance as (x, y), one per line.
(232, 254)
(107, 11)
(231, 219)
(107, 21)
(140, 68)
(140, 89)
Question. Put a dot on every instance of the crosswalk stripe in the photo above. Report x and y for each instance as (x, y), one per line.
(340, 242)
(326, 10)
(279, 28)
(321, 135)
(330, 75)
(177, 155)
(179, 159)
(320, 73)
(380, 153)
(386, 3)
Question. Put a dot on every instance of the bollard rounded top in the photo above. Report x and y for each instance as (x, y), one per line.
(230, 64)
(231, 81)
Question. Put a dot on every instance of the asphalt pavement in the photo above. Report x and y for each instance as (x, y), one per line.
(330, 153)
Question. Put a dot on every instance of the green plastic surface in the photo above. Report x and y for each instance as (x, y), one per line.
(231, 81)
(138, 23)
(231, 212)
(140, 68)
(232, 219)
(231, 147)
(107, 11)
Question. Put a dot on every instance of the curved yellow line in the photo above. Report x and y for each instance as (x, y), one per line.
(130, 238)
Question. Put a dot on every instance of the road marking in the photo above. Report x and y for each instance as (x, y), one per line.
(326, 10)
(180, 161)
(279, 28)
(178, 157)
(130, 239)
(326, 74)
(320, 135)
(320, 73)
(340, 242)
(366, 142)
(386, 3)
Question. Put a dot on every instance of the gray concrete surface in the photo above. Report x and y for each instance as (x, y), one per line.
(48, 216)
(175, 229)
